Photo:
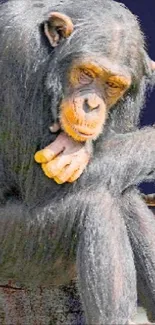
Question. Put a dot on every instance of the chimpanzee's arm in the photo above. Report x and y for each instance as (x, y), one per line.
(105, 261)
(125, 159)
(117, 160)
(140, 223)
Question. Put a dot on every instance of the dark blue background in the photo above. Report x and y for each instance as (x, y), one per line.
(145, 10)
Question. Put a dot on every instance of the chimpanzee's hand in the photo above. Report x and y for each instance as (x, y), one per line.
(64, 160)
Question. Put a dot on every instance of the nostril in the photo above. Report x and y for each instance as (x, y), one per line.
(95, 108)
(88, 106)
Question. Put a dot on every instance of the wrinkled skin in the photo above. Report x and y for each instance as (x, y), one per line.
(64, 160)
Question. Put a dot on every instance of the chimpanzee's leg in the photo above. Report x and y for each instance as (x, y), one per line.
(32, 290)
(141, 229)
(106, 272)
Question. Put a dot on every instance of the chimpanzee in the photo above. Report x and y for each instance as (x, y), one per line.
(81, 66)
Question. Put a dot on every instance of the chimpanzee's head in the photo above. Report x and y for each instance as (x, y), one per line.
(100, 65)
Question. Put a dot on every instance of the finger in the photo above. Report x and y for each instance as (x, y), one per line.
(44, 155)
(54, 167)
(49, 152)
(54, 127)
(78, 171)
(65, 174)
(76, 175)
(73, 169)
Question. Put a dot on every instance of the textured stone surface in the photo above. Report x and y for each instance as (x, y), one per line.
(53, 306)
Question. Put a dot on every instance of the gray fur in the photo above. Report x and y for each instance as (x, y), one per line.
(94, 222)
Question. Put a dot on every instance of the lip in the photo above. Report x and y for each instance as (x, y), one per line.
(84, 132)
(86, 136)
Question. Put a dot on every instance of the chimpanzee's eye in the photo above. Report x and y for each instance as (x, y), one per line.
(112, 85)
(85, 76)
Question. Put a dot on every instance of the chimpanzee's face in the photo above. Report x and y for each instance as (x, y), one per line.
(93, 83)
(93, 86)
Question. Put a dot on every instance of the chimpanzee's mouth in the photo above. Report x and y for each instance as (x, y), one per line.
(81, 132)
(84, 133)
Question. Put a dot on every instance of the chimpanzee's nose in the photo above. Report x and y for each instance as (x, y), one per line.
(91, 102)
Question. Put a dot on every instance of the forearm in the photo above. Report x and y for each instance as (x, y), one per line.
(125, 159)
(140, 223)
(117, 161)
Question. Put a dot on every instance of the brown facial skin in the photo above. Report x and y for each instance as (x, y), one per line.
(90, 92)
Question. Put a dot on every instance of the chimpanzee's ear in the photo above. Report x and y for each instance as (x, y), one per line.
(152, 66)
(149, 69)
(152, 77)
(57, 27)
